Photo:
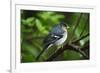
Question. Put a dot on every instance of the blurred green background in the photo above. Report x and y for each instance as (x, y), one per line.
(35, 25)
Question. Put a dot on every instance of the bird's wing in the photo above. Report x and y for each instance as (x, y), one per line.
(55, 34)
(50, 39)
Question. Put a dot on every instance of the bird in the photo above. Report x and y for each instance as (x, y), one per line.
(57, 36)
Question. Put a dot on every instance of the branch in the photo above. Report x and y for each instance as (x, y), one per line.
(82, 31)
(67, 47)
(78, 49)
(84, 28)
(56, 54)
(77, 23)
(70, 47)
(81, 38)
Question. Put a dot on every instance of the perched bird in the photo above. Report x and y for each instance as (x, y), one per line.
(57, 36)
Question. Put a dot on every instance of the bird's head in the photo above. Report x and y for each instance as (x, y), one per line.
(65, 25)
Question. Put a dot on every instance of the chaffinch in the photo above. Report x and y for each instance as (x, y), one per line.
(57, 36)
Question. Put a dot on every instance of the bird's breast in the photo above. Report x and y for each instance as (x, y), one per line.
(62, 40)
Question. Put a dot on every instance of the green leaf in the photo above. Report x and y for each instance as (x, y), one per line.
(40, 27)
(30, 21)
(71, 55)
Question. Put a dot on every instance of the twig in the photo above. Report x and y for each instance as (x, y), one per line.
(69, 47)
(81, 38)
(77, 23)
(55, 54)
(84, 28)
(78, 49)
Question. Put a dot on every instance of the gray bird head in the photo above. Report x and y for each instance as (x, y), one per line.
(64, 24)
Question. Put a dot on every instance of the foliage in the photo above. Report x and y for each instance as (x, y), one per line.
(35, 25)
